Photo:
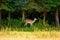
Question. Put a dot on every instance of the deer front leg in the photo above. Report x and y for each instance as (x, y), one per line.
(31, 24)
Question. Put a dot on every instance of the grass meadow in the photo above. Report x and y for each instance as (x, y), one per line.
(17, 31)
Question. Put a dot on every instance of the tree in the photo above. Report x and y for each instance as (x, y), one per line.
(5, 6)
(0, 17)
(49, 4)
(57, 18)
(20, 6)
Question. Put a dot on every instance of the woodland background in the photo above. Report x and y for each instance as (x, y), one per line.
(14, 12)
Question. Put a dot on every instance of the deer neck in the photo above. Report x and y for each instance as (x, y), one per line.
(33, 21)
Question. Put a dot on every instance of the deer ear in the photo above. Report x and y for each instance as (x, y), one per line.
(35, 18)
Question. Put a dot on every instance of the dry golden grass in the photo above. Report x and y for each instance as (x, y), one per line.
(36, 35)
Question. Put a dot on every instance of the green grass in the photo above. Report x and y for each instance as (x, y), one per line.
(18, 25)
(38, 31)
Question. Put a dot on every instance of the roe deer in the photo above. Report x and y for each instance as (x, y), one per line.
(29, 21)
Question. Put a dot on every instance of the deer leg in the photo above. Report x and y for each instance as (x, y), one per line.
(25, 24)
(31, 24)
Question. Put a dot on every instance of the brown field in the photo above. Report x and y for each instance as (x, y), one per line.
(40, 35)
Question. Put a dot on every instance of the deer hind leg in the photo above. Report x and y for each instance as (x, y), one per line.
(25, 24)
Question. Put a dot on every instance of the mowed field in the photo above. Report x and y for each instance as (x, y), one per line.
(36, 35)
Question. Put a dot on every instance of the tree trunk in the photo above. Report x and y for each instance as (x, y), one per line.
(0, 17)
(9, 19)
(23, 15)
(44, 17)
(57, 18)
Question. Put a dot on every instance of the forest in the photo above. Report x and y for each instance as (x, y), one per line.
(13, 14)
